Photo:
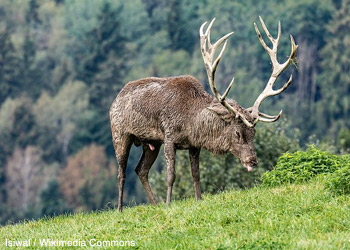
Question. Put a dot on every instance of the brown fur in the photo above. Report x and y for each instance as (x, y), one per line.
(180, 114)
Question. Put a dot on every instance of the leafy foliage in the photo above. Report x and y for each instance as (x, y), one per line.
(52, 200)
(85, 179)
(339, 181)
(344, 140)
(60, 116)
(8, 71)
(334, 81)
(302, 166)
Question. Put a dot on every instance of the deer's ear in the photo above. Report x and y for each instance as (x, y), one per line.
(220, 111)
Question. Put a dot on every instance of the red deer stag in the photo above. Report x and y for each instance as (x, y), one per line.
(178, 112)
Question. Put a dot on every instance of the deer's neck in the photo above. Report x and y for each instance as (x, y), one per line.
(208, 131)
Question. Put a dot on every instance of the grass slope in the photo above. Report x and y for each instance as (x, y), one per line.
(288, 217)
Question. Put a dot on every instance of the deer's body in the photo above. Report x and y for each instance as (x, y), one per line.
(153, 109)
(179, 113)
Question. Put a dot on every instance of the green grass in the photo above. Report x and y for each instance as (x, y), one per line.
(287, 217)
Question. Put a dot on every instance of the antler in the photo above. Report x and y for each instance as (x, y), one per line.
(208, 57)
(277, 69)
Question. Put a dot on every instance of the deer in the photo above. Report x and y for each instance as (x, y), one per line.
(179, 113)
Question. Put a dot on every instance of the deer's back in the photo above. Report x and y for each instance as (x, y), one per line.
(150, 107)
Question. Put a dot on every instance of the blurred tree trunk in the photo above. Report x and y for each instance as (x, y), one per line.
(24, 178)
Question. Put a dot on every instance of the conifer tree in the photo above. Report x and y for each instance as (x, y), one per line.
(8, 69)
(30, 75)
(334, 108)
(179, 34)
(103, 68)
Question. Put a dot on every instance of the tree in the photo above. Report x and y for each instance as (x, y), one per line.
(59, 118)
(309, 28)
(30, 76)
(178, 65)
(334, 108)
(8, 65)
(52, 200)
(24, 178)
(84, 180)
(100, 63)
(344, 140)
(180, 35)
(17, 126)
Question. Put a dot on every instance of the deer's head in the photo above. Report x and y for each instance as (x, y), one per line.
(242, 121)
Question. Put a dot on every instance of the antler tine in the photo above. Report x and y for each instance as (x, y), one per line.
(201, 33)
(277, 69)
(228, 89)
(208, 57)
(269, 118)
(266, 31)
(279, 33)
(294, 47)
(261, 39)
(217, 60)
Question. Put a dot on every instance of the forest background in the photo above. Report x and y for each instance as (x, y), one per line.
(62, 62)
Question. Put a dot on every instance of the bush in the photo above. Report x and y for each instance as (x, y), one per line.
(302, 166)
(339, 181)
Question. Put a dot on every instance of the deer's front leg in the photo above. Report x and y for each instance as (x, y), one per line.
(169, 153)
(194, 158)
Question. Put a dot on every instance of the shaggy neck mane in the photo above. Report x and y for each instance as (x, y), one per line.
(210, 132)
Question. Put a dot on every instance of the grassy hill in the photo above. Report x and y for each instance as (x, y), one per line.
(288, 217)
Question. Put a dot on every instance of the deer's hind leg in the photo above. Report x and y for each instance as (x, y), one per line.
(149, 155)
(122, 147)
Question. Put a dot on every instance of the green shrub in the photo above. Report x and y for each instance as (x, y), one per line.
(302, 166)
(339, 181)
